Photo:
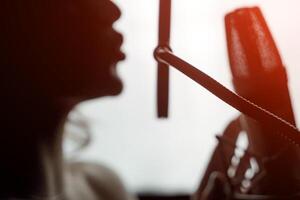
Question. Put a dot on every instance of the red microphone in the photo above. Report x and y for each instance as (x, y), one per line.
(259, 76)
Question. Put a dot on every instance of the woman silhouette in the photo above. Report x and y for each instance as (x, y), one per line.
(54, 55)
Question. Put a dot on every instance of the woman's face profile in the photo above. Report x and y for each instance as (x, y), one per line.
(64, 48)
(101, 49)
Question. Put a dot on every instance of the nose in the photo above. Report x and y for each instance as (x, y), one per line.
(116, 12)
(104, 11)
(112, 11)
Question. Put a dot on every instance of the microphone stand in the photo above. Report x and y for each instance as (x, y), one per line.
(291, 133)
(165, 58)
(163, 68)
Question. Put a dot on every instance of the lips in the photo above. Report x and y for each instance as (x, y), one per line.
(120, 55)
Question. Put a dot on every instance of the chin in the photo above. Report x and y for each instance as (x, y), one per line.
(116, 87)
(113, 86)
(107, 84)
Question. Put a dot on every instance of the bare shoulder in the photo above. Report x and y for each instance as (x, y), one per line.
(97, 180)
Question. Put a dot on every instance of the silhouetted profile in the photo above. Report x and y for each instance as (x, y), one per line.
(54, 54)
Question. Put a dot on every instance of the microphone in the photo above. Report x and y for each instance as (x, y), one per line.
(259, 76)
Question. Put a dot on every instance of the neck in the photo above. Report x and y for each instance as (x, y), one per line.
(31, 149)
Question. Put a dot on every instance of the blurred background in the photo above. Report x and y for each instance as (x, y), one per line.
(169, 156)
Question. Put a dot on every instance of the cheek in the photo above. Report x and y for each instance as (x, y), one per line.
(95, 81)
(83, 68)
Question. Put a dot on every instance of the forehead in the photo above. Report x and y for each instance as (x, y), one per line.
(104, 11)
